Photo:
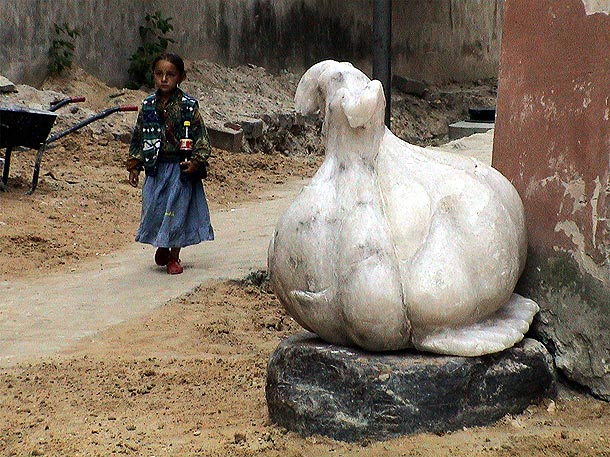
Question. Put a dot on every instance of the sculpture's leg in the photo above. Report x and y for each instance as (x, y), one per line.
(372, 304)
(495, 333)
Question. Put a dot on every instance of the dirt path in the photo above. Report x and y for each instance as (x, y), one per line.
(44, 315)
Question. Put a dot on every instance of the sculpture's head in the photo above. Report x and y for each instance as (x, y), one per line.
(340, 90)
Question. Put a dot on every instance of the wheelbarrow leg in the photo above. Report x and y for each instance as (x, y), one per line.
(7, 164)
(41, 150)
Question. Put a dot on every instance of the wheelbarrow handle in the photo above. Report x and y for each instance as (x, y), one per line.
(65, 101)
(59, 135)
(81, 124)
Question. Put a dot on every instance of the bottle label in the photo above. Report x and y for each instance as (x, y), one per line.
(186, 144)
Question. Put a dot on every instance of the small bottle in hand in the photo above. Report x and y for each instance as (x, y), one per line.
(186, 149)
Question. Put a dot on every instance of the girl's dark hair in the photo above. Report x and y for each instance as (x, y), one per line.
(172, 58)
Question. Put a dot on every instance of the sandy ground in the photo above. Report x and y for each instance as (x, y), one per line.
(187, 378)
(44, 314)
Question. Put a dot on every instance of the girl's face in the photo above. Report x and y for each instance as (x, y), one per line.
(167, 77)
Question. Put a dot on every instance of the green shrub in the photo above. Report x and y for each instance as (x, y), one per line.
(62, 49)
(154, 42)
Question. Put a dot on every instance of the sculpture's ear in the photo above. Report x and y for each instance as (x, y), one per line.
(310, 95)
(361, 108)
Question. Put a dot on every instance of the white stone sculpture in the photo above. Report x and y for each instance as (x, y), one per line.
(393, 246)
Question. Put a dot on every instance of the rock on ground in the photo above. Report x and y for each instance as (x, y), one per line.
(351, 395)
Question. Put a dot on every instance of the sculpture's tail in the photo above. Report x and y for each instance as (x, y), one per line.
(497, 332)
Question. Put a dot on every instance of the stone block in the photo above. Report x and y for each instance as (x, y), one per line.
(6, 85)
(351, 395)
(229, 137)
(408, 85)
(467, 128)
(288, 120)
(253, 128)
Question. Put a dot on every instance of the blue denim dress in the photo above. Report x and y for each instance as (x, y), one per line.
(175, 212)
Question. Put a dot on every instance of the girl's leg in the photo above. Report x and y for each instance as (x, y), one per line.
(162, 256)
(174, 253)
(173, 264)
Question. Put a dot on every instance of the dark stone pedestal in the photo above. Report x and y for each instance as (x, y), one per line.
(350, 395)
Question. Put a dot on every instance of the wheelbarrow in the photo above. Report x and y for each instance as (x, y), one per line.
(30, 128)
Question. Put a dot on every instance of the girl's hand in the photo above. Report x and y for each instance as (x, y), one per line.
(134, 177)
(188, 167)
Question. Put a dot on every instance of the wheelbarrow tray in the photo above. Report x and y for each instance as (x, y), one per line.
(21, 126)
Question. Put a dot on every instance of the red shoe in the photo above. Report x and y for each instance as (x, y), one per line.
(162, 256)
(174, 267)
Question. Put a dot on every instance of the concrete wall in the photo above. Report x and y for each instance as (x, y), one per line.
(436, 41)
(109, 35)
(444, 40)
(552, 140)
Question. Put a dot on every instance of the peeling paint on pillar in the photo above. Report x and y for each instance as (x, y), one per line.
(552, 140)
(596, 6)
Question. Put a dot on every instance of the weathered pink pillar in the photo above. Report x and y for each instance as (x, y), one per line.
(552, 140)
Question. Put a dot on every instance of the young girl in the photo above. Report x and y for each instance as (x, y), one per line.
(174, 208)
